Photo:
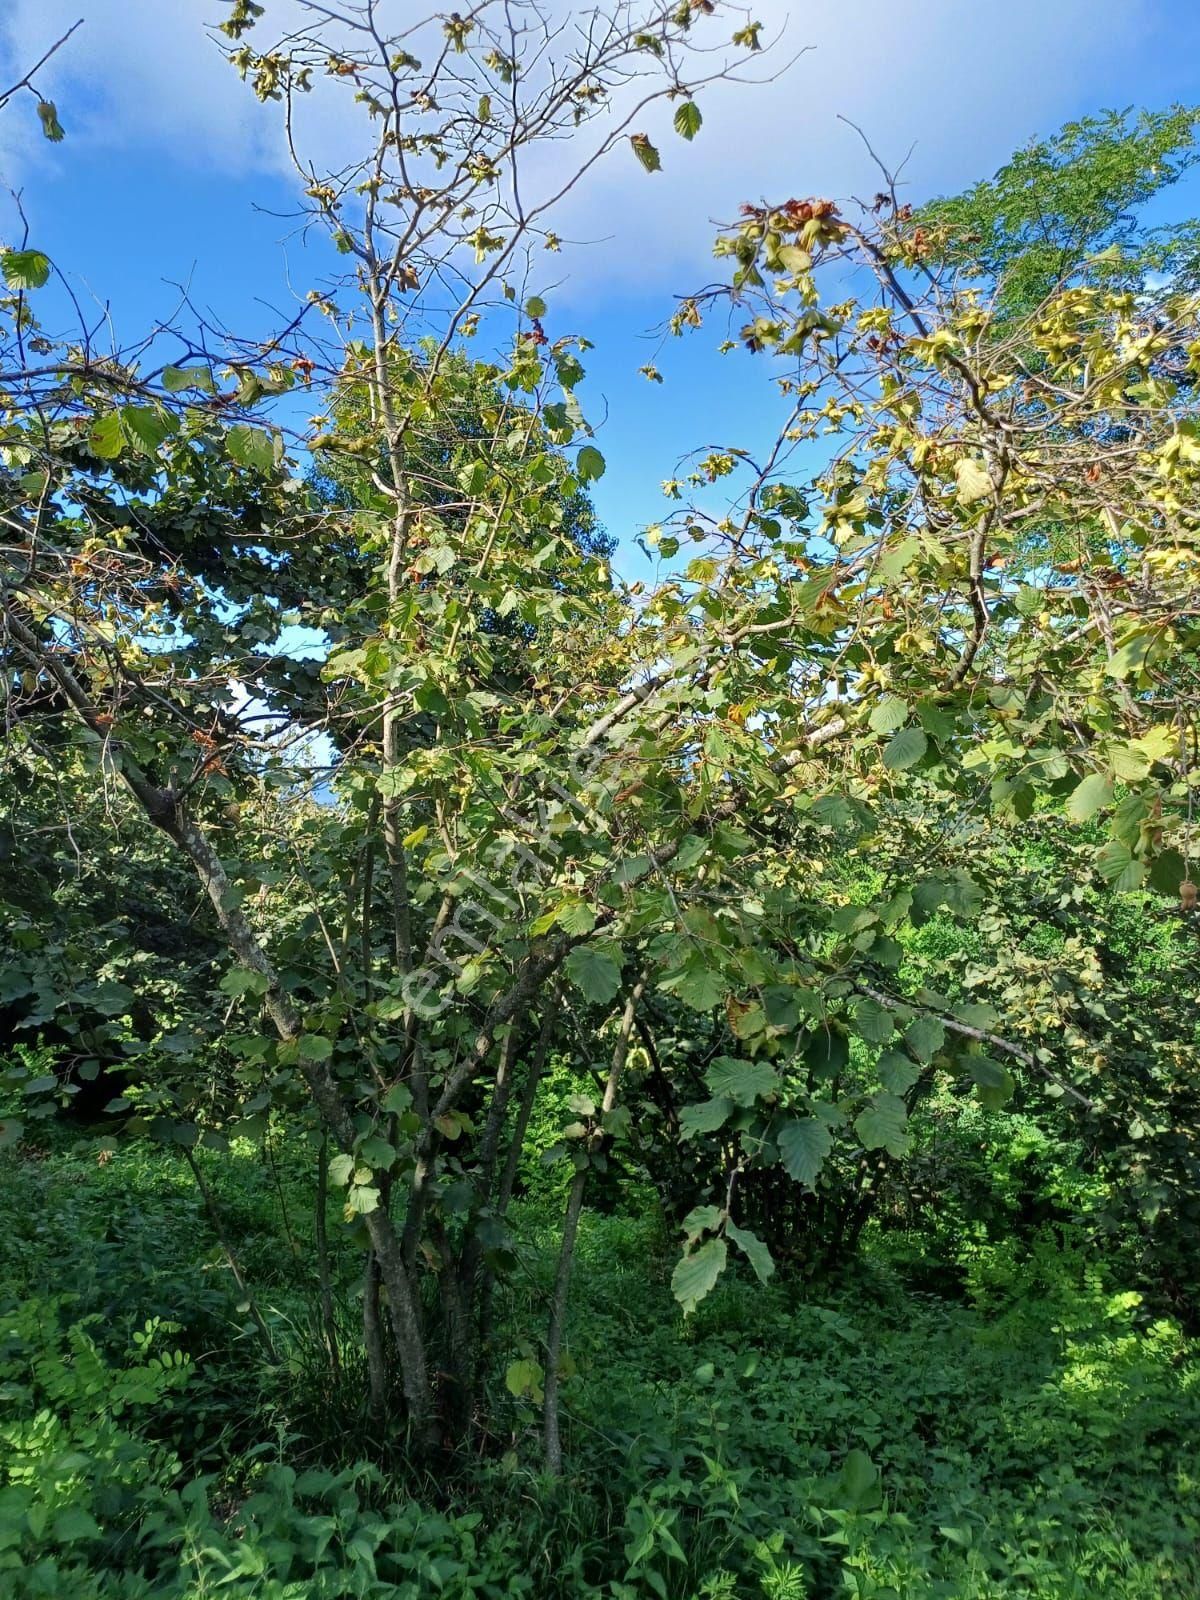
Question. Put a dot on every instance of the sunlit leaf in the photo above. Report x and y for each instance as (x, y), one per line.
(688, 120)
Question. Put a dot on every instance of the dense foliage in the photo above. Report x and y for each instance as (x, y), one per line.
(519, 1083)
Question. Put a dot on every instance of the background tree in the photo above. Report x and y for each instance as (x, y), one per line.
(1084, 198)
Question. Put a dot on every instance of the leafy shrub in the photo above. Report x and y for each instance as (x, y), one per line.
(77, 1474)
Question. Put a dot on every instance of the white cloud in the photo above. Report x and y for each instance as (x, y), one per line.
(963, 83)
(968, 81)
(139, 77)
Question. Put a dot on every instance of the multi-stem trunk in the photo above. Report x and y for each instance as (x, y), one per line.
(403, 1307)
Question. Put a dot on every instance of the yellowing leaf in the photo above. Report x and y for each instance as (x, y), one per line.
(1088, 797)
(974, 482)
(524, 1379)
(48, 115)
(645, 152)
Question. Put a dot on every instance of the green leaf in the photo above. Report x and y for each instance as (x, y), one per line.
(645, 152)
(1088, 797)
(112, 999)
(896, 1072)
(1118, 866)
(1167, 872)
(781, 1007)
(525, 1379)
(697, 986)
(147, 427)
(889, 714)
(617, 1122)
(632, 870)
(589, 464)
(925, 1036)
(1127, 763)
(706, 1117)
(313, 1047)
(938, 724)
(1133, 656)
(753, 1249)
(857, 1487)
(962, 895)
(25, 269)
(376, 1153)
(905, 749)
(688, 120)
(701, 1219)
(827, 1052)
(873, 1022)
(240, 980)
(803, 1144)
(106, 437)
(577, 917)
(535, 307)
(882, 1125)
(176, 379)
(72, 1523)
(251, 447)
(397, 1100)
(690, 853)
(977, 1014)
(994, 1083)
(697, 1272)
(743, 1082)
(595, 970)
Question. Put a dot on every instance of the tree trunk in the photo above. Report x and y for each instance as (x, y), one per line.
(558, 1318)
(324, 1276)
(377, 1384)
(508, 1179)
(566, 1254)
(235, 1266)
(525, 1112)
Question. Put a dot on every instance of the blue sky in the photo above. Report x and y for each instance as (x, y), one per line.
(170, 172)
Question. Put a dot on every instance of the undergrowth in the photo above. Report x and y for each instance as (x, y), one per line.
(1034, 1435)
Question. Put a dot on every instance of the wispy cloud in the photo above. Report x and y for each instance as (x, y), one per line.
(139, 78)
(966, 82)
